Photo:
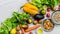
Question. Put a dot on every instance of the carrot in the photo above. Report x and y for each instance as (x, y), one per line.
(23, 32)
(32, 28)
(20, 26)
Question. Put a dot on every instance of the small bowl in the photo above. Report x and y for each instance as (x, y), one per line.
(46, 29)
(52, 17)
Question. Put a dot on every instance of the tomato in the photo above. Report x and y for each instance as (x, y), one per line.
(48, 9)
(48, 15)
(30, 33)
(59, 7)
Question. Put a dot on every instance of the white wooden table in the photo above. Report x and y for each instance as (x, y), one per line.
(8, 6)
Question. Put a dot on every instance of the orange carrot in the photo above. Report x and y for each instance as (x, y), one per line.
(32, 28)
(23, 32)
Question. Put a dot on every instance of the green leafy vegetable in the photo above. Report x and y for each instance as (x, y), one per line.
(7, 23)
(14, 25)
(13, 22)
(4, 30)
(21, 17)
(41, 3)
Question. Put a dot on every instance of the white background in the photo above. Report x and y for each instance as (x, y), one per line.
(8, 6)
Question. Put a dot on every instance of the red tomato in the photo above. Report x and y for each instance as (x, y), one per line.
(30, 33)
(48, 15)
(48, 9)
(59, 7)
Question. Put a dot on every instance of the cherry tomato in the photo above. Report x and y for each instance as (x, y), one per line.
(59, 7)
(48, 15)
(30, 33)
(48, 9)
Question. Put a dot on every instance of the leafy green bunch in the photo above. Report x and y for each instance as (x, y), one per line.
(41, 3)
(13, 22)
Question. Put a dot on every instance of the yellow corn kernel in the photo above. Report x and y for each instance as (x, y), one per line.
(30, 11)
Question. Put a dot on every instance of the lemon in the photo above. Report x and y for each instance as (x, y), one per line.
(13, 31)
(39, 31)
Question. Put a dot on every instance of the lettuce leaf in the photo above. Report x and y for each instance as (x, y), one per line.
(41, 3)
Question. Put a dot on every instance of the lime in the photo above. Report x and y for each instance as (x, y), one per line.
(43, 12)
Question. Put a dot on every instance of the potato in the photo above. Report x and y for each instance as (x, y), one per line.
(35, 22)
(18, 28)
(40, 22)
